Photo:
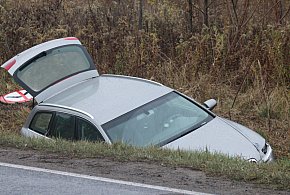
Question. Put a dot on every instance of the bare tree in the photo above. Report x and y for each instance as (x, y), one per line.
(141, 6)
(281, 12)
(190, 13)
(205, 12)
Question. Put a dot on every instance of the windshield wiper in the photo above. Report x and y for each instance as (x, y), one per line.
(203, 123)
(181, 134)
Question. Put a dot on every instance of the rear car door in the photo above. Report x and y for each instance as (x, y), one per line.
(63, 125)
(50, 67)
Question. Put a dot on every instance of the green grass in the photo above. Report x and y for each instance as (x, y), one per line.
(275, 175)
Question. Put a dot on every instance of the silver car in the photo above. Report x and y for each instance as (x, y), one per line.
(76, 103)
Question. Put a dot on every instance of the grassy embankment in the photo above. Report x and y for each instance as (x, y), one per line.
(275, 175)
(238, 54)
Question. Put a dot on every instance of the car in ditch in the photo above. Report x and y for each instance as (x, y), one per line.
(76, 103)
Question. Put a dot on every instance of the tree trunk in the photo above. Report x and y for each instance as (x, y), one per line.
(190, 13)
(141, 5)
(205, 13)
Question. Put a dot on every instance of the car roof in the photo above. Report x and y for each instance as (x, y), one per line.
(106, 97)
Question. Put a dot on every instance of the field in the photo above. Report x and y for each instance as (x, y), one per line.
(237, 52)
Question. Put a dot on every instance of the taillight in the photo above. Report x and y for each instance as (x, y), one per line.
(70, 38)
(10, 64)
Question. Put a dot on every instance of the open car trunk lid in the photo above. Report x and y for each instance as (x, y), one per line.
(50, 67)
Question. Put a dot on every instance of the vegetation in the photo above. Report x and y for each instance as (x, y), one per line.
(234, 51)
(275, 175)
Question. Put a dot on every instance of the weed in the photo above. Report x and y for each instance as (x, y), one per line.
(276, 174)
(237, 52)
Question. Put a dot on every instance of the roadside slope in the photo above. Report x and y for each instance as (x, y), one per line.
(136, 171)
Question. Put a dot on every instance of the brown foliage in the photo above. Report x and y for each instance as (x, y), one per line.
(234, 51)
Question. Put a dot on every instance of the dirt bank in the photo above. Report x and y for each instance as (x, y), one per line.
(144, 172)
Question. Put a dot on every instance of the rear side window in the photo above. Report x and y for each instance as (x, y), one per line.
(64, 126)
(88, 131)
(40, 122)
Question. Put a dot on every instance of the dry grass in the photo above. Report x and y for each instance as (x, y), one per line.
(273, 175)
(241, 57)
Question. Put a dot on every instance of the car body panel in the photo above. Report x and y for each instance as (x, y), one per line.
(253, 136)
(26, 132)
(107, 96)
(30, 56)
(217, 137)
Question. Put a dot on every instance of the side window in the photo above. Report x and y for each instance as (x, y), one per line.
(40, 122)
(88, 131)
(64, 126)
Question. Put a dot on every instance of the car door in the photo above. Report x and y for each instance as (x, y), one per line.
(63, 126)
(71, 127)
(50, 67)
(87, 131)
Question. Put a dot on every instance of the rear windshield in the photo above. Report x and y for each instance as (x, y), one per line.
(53, 65)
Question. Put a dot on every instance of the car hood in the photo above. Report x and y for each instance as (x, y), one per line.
(253, 136)
(222, 136)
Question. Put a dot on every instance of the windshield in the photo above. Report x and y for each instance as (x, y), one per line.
(158, 122)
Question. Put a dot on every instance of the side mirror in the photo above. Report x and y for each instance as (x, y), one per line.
(210, 104)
